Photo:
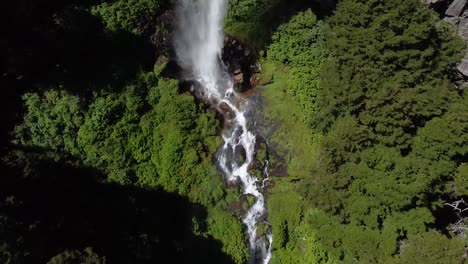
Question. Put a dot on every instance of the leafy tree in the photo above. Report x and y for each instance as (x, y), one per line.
(133, 15)
(461, 180)
(147, 135)
(51, 121)
(226, 228)
(392, 144)
(299, 45)
(431, 247)
(376, 56)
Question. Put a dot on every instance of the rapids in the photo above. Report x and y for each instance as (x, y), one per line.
(199, 43)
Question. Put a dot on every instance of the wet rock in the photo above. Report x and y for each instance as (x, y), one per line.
(256, 171)
(239, 82)
(233, 183)
(456, 7)
(239, 57)
(229, 157)
(239, 131)
(240, 155)
(226, 110)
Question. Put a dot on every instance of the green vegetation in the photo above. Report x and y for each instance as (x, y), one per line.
(134, 15)
(299, 45)
(110, 162)
(253, 21)
(374, 141)
(140, 133)
(148, 136)
(75, 256)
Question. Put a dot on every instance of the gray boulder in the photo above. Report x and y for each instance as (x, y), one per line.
(463, 66)
(463, 26)
(456, 8)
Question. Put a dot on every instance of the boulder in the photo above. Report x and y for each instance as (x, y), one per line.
(238, 78)
(456, 8)
(262, 229)
(226, 110)
(238, 57)
(463, 26)
(240, 84)
(463, 67)
(240, 155)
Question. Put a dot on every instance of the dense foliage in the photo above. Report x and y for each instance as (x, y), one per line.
(133, 143)
(109, 162)
(134, 15)
(148, 135)
(298, 44)
(387, 138)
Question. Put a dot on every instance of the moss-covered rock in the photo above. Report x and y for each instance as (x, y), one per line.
(262, 229)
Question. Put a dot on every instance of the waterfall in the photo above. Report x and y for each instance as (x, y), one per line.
(198, 43)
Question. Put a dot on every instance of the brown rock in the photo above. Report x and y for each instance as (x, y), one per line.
(239, 78)
(226, 110)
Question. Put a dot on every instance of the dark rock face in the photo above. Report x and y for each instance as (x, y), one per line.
(240, 60)
(240, 155)
(161, 38)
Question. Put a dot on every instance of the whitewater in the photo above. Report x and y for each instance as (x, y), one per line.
(199, 43)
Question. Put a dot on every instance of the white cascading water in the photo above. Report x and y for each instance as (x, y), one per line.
(199, 43)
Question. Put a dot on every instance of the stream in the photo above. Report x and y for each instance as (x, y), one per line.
(199, 44)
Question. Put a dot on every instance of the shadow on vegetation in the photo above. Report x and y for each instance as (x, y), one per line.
(64, 207)
(62, 43)
(49, 44)
(259, 34)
